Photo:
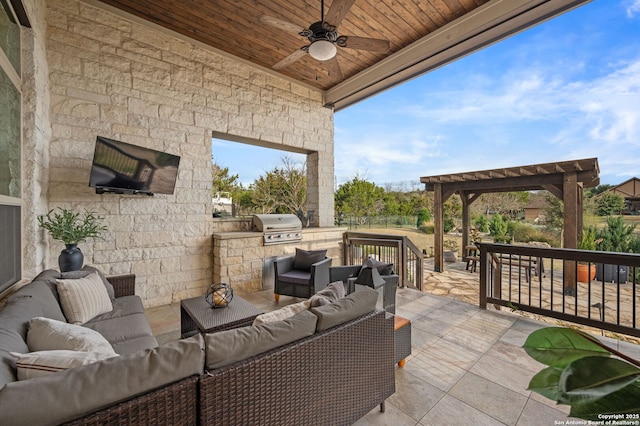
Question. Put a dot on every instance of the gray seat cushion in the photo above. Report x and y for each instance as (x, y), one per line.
(295, 276)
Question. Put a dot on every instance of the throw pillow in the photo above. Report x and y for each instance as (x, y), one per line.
(83, 298)
(42, 363)
(303, 259)
(282, 313)
(330, 294)
(86, 270)
(382, 267)
(45, 334)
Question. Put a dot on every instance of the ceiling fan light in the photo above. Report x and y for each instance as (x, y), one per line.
(322, 50)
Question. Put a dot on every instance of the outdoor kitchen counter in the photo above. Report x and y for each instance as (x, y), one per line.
(241, 259)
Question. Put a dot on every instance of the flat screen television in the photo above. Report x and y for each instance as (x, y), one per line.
(123, 168)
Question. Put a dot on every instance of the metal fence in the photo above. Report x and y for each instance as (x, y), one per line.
(368, 222)
(551, 282)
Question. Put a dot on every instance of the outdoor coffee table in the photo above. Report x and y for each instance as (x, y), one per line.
(196, 315)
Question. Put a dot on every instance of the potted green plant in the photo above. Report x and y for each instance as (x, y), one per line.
(71, 228)
(586, 271)
(450, 251)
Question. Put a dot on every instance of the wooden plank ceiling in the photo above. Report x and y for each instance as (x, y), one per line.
(410, 37)
(235, 27)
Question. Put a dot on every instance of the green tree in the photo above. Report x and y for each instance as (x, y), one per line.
(481, 223)
(359, 198)
(222, 180)
(423, 217)
(554, 213)
(451, 210)
(616, 236)
(282, 190)
(608, 204)
(497, 226)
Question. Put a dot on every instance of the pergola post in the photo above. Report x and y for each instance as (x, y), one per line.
(438, 228)
(464, 197)
(572, 199)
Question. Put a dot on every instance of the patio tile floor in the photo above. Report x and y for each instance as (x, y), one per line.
(467, 366)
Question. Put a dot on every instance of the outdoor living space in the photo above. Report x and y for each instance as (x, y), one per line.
(466, 366)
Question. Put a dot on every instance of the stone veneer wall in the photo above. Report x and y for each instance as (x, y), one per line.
(111, 76)
(239, 255)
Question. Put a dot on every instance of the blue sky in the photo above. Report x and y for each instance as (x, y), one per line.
(566, 89)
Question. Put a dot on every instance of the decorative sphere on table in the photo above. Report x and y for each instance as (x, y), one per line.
(219, 295)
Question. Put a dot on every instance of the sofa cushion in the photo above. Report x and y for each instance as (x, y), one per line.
(14, 323)
(354, 305)
(331, 293)
(83, 298)
(282, 313)
(41, 293)
(42, 363)
(86, 270)
(124, 329)
(76, 392)
(46, 334)
(229, 346)
(303, 259)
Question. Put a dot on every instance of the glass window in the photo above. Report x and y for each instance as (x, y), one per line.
(9, 137)
(9, 36)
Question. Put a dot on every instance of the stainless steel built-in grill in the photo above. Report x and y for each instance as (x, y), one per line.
(278, 228)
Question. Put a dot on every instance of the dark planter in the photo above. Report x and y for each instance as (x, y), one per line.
(607, 273)
(71, 258)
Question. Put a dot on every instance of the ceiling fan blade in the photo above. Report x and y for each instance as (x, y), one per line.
(337, 11)
(288, 60)
(335, 72)
(362, 43)
(281, 24)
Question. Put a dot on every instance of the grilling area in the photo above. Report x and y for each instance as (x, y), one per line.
(244, 249)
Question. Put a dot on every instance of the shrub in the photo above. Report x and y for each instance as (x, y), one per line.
(427, 229)
(522, 231)
(481, 223)
(616, 236)
(423, 217)
(497, 226)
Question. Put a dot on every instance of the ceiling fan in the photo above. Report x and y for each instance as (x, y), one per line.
(323, 37)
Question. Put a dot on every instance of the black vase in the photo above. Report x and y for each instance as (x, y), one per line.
(71, 258)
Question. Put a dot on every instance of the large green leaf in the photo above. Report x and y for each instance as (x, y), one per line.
(624, 401)
(546, 382)
(558, 346)
(591, 378)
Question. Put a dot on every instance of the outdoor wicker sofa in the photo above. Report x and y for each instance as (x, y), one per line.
(334, 375)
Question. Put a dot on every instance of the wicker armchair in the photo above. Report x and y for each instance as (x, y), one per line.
(348, 274)
(299, 283)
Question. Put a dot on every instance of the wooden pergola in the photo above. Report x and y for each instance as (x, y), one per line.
(565, 180)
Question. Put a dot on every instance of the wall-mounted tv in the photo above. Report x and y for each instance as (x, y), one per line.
(129, 169)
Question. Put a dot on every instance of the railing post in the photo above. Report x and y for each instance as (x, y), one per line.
(483, 277)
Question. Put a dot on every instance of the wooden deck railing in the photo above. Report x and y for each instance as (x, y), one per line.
(544, 281)
(407, 259)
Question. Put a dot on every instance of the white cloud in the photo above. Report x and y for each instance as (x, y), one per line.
(633, 7)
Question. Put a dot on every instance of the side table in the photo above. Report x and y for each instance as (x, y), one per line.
(401, 338)
(196, 315)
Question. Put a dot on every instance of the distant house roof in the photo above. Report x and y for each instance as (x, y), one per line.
(628, 189)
